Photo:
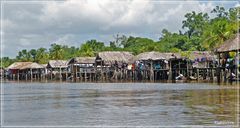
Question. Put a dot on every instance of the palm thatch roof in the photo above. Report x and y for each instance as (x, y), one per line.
(18, 65)
(198, 55)
(32, 66)
(156, 56)
(112, 56)
(169, 56)
(232, 44)
(24, 65)
(82, 60)
(44, 65)
(57, 64)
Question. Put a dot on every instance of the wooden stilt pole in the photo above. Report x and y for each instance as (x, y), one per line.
(170, 71)
(151, 70)
(85, 75)
(26, 76)
(18, 76)
(31, 74)
(75, 72)
(51, 73)
(197, 73)
(60, 73)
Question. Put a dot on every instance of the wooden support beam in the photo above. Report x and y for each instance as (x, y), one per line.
(31, 74)
(60, 73)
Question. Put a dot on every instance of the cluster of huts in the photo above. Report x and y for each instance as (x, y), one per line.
(121, 65)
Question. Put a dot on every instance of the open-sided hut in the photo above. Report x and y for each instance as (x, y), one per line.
(202, 59)
(156, 63)
(32, 71)
(203, 63)
(45, 67)
(14, 69)
(111, 57)
(113, 61)
(25, 70)
(147, 63)
(228, 57)
(82, 67)
(232, 45)
(57, 68)
(178, 65)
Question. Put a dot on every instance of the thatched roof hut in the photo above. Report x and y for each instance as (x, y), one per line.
(57, 64)
(169, 56)
(232, 44)
(150, 56)
(112, 56)
(32, 66)
(18, 65)
(44, 65)
(82, 60)
(156, 56)
(201, 56)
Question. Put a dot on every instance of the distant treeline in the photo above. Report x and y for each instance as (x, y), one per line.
(200, 33)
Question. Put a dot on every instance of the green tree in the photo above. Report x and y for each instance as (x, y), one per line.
(195, 23)
(221, 28)
(6, 61)
(42, 56)
(86, 50)
(220, 11)
(56, 51)
(33, 53)
(95, 45)
(24, 56)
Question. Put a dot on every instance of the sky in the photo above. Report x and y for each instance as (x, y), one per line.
(35, 24)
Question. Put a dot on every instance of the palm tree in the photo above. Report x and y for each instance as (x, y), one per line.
(42, 56)
(24, 55)
(56, 51)
(221, 28)
(86, 50)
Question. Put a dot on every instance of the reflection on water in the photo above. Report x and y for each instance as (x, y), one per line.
(118, 104)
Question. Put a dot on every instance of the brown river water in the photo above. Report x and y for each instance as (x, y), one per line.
(119, 104)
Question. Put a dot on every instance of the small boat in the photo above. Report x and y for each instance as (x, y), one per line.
(192, 78)
(180, 77)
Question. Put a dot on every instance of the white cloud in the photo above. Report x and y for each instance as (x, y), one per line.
(64, 40)
(237, 5)
(72, 22)
(123, 16)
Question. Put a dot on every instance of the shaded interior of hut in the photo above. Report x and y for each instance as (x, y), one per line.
(230, 61)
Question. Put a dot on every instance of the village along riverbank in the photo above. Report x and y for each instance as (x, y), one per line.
(219, 66)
